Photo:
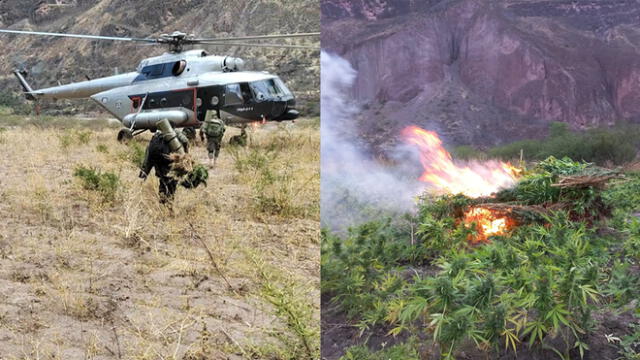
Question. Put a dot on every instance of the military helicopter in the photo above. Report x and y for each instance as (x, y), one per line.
(181, 86)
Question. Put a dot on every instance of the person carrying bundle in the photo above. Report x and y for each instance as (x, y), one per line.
(157, 157)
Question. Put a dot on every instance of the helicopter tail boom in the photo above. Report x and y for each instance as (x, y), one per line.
(25, 85)
(77, 90)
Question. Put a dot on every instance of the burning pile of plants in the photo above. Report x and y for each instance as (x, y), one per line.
(552, 185)
(501, 196)
(517, 267)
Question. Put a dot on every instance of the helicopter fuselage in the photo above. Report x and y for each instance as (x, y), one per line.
(183, 88)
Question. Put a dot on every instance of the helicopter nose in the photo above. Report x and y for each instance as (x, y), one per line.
(290, 114)
(278, 108)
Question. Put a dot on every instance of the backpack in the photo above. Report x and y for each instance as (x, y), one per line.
(214, 128)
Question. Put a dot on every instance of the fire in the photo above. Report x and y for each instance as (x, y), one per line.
(474, 180)
(488, 223)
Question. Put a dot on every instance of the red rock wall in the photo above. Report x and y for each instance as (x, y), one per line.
(523, 63)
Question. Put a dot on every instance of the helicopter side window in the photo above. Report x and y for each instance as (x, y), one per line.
(233, 95)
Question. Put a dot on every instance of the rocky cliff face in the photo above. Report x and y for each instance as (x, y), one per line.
(485, 72)
(50, 60)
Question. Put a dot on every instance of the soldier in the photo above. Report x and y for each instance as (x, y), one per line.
(157, 156)
(214, 129)
(190, 133)
(239, 140)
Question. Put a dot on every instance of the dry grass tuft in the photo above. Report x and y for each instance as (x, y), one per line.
(122, 277)
(281, 184)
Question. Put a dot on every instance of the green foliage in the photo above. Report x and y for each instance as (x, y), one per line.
(623, 285)
(83, 136)
(536, 186)
(466, 152)
(538, 286)
(443, 206)
(541, 282)
(134, 153)
(617, 145)
(104, 183)
(632, 243)
(272, 178)
(74, 137)
(197, 176)
(290, 305)
(65, 140)
(481, 296)
(625, 195)
(102, 148)
(363, 268)
(137, 152)
(14, 102)
(630, 344)
(273, 193)
(251, 160)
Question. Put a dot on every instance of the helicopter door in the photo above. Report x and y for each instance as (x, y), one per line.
(246, 93)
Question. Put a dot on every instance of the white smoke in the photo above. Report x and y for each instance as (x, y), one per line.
(353, 185)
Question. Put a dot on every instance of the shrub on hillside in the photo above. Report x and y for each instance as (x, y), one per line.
(104, 183)
(14, 102)
(616, 145)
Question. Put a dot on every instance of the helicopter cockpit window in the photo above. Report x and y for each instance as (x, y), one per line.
(156, 70)
(280, 84)
(266, 89)
(233, 95)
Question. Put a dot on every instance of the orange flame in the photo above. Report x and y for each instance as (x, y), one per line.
(478, 179)
(488, 223)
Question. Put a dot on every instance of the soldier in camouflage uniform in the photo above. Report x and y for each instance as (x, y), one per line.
(214, 129)
(239, 140)
(157, 156)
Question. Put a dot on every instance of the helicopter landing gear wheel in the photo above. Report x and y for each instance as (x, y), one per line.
(124, 135)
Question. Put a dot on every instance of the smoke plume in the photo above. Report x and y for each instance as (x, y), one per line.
(354, 186)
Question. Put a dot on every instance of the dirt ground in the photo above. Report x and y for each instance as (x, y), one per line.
(82, 277)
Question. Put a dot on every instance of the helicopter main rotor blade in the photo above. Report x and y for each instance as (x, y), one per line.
(260, 37)
(91, 37)
(259, 45)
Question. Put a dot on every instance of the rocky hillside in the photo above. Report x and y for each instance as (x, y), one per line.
(51, 60)
(483, 72)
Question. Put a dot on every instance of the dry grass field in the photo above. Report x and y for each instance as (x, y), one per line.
(231, 272)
